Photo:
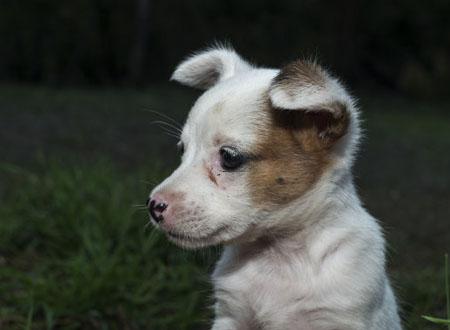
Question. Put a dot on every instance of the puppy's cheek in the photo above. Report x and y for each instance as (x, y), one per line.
(274, 183)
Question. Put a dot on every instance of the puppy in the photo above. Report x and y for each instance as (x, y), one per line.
(266, 171)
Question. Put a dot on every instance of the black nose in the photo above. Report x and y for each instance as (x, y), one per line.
(156, 208)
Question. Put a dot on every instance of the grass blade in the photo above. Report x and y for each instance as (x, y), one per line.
(436, 320)
(447, 290)
(30, 318)
(447, 293)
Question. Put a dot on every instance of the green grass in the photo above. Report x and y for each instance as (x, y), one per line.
(447, 293)
(75, 251)
(76, 254)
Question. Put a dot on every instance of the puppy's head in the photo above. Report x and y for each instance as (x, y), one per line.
(259, 147)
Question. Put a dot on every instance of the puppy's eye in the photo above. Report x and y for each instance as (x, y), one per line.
(230, 158)
(180, 147)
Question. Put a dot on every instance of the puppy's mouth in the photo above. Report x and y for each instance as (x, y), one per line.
(182, 237)
(196, 241)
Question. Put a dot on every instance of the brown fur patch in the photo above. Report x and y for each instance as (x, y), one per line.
(293, 152)
(211, 176)
(300, 74)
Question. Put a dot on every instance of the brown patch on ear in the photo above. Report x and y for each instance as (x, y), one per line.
(317, 128)
(294, 151)
(299, 74)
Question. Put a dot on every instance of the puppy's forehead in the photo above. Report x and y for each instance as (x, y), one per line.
(231, 110)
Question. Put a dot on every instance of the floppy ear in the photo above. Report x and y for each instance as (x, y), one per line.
(205, 69)
(305, 97)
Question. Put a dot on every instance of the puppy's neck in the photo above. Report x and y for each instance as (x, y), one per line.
(303, 223)
(321, 207)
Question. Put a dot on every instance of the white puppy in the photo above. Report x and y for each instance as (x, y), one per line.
(266, 171)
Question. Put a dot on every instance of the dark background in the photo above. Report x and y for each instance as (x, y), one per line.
(82, 86)
(401, 45)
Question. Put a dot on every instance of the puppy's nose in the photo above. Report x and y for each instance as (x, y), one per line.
(156, 207)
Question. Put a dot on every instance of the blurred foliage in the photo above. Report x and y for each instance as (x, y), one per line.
(402, 45)
(75, 254)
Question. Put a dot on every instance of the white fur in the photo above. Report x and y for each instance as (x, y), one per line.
(225, 63)
(328, 272)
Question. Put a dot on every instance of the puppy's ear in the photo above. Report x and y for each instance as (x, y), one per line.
(205, 69)
(305, 97)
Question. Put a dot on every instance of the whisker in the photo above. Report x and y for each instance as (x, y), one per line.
(177, 124)
(139, 207)
(164, 116)
(177, 137)
(168, 125)
(170, 131)
(150, 183)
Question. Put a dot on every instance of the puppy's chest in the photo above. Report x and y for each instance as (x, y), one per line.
(265, 292)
